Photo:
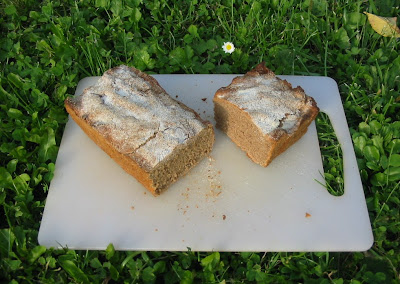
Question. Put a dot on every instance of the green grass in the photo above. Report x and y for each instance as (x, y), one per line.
(332, 155)
(46, 47)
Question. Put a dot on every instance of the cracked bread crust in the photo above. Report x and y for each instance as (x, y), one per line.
(131, 117)
(263, 114)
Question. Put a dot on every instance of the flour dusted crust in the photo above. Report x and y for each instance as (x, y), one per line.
(263, 114)
(152, 136)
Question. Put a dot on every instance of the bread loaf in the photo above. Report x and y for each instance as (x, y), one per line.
(150, 135)
(263, 114)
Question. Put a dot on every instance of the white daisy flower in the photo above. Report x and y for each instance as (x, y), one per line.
(228, 47)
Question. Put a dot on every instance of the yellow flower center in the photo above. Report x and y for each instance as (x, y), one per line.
(229, 47)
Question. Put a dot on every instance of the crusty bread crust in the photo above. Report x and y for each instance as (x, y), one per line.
(239, 125)
(129, 165)
(165, 160)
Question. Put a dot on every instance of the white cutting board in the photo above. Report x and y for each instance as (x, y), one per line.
(226, 203)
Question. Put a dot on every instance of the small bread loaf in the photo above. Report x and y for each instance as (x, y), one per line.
(263, 114)
(151, 136)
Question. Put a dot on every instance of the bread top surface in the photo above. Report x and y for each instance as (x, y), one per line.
(273, 105)
(135, 114)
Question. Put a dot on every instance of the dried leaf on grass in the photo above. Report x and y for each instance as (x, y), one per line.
(384, 26)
